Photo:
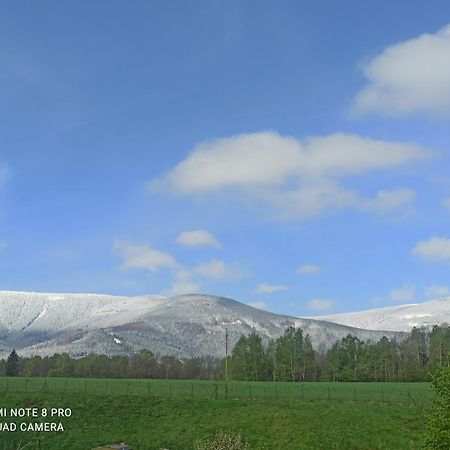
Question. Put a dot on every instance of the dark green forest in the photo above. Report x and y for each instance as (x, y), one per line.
(291, 357)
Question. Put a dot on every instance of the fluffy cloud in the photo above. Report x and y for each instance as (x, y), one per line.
(403, 294)
(436, 291)
(197, 238)
(408, 77)
(218, 269)
(387, 201)
(266, 288)
(148, 258)
(299, 178)
(321, 304)
(308, 269)
(182, 284)
(144, 257)
(436, 249)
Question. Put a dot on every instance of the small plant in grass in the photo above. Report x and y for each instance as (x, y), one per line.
(438, 436)
(224, 441)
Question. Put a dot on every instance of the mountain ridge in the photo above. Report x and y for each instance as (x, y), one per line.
(396, 318)
(184, 326)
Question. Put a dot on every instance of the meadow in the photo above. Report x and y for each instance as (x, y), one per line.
(178, 414)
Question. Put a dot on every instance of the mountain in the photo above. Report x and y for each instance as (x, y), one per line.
(182, 326)
(396, 318)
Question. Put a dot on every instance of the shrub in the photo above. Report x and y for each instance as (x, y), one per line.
(439, 420)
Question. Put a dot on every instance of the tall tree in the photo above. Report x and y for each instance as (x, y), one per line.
(12, 365)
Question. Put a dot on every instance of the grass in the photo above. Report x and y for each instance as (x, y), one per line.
(201, 389)
(160, 416)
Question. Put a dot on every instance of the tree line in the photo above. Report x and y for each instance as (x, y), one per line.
(143, 364)
(291, 357)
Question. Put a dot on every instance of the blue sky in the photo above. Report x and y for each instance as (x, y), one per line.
(292, 155)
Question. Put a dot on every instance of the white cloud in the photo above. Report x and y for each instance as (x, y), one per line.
(321, 304)
(183, 284)
(299, 178)
(258, 305)
(387, 201)
(313, 199)
(436, 249)
(308, 269)
(216, 268)
(436, 291)
(266, 288)
(197, 238)
(403, 294)
(144, 257)
(408, 77)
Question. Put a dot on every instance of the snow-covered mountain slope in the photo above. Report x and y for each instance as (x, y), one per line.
(396, 318)
(188, 325)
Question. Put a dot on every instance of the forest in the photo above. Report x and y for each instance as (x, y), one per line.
(291, 357)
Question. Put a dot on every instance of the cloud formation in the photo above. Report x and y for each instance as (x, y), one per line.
(148, 258)
(408, 77)
(182, 284)
(436, 291)
(435, 249)
(321, 304)
(197, 238)
(218, 269)
(144, 257)
(308, 269)
(404, 294)
(266, 288)
(298, 178)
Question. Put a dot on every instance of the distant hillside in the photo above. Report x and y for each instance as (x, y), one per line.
(396, 318)
(182, 326)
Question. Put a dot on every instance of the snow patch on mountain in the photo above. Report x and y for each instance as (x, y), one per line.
(396, 318)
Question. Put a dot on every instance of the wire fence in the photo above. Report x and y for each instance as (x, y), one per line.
(409, 393)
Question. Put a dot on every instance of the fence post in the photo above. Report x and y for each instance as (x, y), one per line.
(411, 397)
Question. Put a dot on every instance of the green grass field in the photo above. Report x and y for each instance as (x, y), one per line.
(178, 414)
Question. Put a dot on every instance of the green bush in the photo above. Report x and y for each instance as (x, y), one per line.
(224, 441)
(439, 420)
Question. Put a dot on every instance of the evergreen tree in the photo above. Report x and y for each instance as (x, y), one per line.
(12, 365)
